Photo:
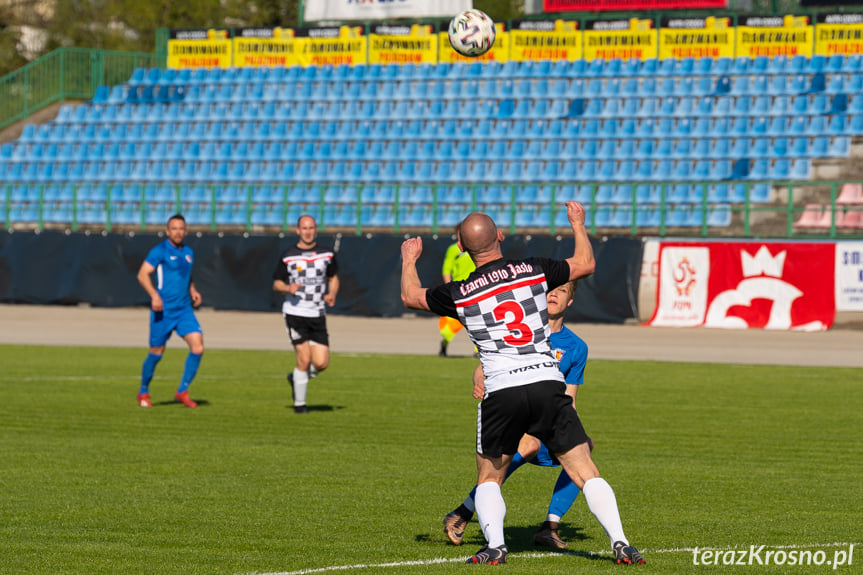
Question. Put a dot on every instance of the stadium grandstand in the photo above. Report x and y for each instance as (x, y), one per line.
(700, 146)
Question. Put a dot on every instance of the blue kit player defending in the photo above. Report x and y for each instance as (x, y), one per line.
(571, 353)
(171, 301)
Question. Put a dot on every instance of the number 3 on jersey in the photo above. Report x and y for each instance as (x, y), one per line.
(520, 333)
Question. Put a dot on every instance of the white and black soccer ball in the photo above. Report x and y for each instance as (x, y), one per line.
(471, 33)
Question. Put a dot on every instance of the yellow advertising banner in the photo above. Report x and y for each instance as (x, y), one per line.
(345, 45)
(264, 47)
(394, 44)
(620, 39)
(774, 36)
(199, 48)
(696, 38)
(839, 34)
(499, 51)
(545, 40)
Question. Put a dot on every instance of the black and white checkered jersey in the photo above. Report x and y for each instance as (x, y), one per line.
(311, 268)
(503, 306)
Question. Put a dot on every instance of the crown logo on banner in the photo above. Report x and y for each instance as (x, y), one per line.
(763, 263)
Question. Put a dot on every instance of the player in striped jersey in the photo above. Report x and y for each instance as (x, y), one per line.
(571, 354)
(306, 274)
(504, 309)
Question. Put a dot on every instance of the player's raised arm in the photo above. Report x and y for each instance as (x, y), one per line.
(413, 293)
(581, 263)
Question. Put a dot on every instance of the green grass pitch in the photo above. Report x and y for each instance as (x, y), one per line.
(719, 456)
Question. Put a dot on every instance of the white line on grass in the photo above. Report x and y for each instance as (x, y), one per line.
(534, 555)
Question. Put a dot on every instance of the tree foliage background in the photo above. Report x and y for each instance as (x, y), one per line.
(131, 25)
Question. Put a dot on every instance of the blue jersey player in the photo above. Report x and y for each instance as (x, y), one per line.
(571, 353)
(172, 298)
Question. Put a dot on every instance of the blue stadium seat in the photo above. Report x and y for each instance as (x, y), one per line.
(853, 63)
(835, 63)
(645, 149)
(666, 67)
(685, 86)
(759, 169)
(760, 148)
(682, 148)
(649, 67)
(840, 147)
(719, 216)
(801, 169)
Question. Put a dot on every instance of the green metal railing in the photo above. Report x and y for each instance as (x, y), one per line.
(66, 74)
(742, 216)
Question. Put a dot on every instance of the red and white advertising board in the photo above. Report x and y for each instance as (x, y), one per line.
(746, 285)
(382, 9)
(606, 5)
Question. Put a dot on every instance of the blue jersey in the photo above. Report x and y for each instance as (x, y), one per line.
(571, 353)
(173, 274)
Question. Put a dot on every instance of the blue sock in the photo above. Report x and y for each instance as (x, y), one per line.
(193, 360)
(565, 492)
(147, 371)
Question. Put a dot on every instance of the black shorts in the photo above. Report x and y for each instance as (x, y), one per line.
(303, 329)
(541, 409)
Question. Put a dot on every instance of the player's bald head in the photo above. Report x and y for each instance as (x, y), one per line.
(478, 234)
(307, 220)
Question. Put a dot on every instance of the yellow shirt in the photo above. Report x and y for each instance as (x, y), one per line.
(457, 263)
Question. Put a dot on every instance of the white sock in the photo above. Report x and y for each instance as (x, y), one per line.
(552, 518)
(301, 383)
(490, 511)
(313, 373)
(602, 503)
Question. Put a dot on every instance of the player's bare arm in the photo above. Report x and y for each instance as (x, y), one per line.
(572, 391)
(478, 382)
(195, 295)
(413, 294)
(581, 263)
(147, 283)
(332, 291)
(285, 288)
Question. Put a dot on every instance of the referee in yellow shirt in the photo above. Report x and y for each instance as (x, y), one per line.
(457, 265)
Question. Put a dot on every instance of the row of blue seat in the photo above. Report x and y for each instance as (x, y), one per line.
(679, 215)
(613, 68)
(520, 195)
(417, 130)
(436, 150)
(579, 87)
(410, 171)
(471, 110)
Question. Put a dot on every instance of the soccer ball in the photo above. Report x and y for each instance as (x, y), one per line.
(471, 33)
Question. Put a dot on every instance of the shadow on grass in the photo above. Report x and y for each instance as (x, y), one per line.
(200, 402)
(519, 539)
(319, 407)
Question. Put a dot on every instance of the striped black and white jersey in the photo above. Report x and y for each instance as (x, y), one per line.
(311, 268)
(503, 306)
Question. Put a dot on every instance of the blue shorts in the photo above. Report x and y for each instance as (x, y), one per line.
(543, 458)
(162, 323)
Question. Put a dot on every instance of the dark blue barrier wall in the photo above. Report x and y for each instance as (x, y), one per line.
(234, 272)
